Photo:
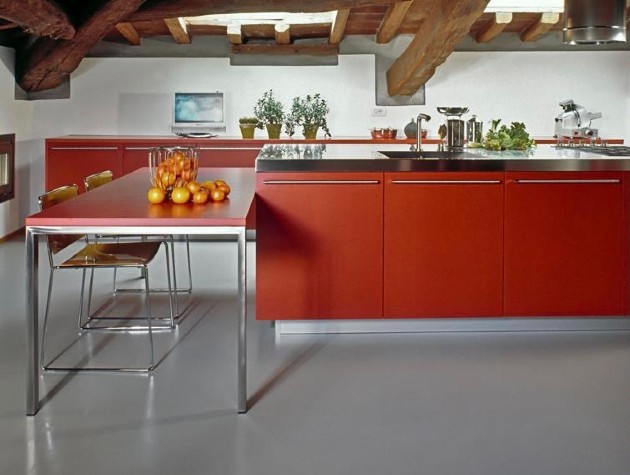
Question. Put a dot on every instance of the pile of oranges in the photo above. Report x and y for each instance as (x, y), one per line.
(193, 191)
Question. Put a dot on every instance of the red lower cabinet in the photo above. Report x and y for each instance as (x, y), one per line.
(566, 244)
(319, 249)
(443, 244)
(68, 163)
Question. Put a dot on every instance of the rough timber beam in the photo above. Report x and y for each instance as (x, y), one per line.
(541, 26)
(282, 32)
(129, 32)
(495, 27)
(338, 28)
(47, 63)
(158, 9)
(234, 34)
(394, 16)
(446, 22)
(39, 17)
(178, 30)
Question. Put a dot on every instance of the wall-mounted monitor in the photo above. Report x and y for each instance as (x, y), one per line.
(198, 112)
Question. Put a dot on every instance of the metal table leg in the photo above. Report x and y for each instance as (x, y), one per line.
(32, 324)
(242, 321)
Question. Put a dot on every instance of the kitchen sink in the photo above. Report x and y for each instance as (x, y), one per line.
(427, 154)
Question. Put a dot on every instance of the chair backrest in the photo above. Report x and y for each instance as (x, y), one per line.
(98, 179)
(58, 242)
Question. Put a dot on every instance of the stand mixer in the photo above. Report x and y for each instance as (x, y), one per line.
(455, 133)
(575, 121)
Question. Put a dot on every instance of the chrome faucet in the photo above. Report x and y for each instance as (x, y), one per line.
(419, 120)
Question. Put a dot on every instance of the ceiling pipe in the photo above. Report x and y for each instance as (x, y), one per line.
(594, 21)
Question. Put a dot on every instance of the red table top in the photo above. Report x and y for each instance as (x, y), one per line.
(123, 202)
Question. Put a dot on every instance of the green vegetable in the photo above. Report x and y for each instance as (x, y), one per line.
(514, 137)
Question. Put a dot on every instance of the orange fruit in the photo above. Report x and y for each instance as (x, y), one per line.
(224, 187)
(180, 195)
(200, 197)
(193, 186)
(156, 195)
(217, 195)
(209, 185)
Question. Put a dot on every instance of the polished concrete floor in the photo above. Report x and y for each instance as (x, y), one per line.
(545, 403)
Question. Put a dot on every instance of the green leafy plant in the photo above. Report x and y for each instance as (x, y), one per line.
(269, 110)
(308, 111)
(248, 121)
(514, 137)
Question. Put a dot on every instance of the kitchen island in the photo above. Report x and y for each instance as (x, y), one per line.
(343, 232)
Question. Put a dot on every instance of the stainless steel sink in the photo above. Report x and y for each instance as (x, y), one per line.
(427, 154)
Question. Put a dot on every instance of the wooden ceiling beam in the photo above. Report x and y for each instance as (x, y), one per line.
(310, 49)
(39, 17)
(282, 33)
(338, 28)
(129, 32)
(394, 16)
(542, 25)
(234, 34)
(158, 9)
(498, 23)
(48, 63)
(446, 22)
(178, 29)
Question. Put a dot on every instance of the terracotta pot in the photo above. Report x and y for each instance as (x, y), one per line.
(247, 130)
(274, 130)
(310, 131)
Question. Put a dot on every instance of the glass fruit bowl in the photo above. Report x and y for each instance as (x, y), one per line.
(172, 167)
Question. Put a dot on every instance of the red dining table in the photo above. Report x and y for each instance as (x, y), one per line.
(121, 207)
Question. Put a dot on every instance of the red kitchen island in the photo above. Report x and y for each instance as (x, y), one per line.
(344, 233)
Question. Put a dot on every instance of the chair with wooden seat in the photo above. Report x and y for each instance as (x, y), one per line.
(100, 255)
(95, 180)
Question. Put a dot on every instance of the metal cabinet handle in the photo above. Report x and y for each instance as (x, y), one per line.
(229, 148)
(321, 182)
(84, 148)
(146, 148)
(569, 181)
(446, 182)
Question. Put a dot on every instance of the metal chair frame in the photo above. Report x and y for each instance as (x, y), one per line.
(100, 256)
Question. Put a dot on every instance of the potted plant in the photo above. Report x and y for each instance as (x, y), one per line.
(309, 112)
(248, 126)
(270, 112)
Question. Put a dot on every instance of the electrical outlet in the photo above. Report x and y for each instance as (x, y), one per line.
(379, 112)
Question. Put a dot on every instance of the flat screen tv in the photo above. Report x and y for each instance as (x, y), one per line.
(199, 111)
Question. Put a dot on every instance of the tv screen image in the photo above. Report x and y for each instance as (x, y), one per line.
(199, 108)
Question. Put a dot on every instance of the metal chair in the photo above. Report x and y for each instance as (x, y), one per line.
(95, 180)
(91, 256)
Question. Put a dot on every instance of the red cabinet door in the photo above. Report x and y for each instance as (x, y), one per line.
(443, 244)
(566, 244)
(71, 163)
(319, 245)
(228, 156)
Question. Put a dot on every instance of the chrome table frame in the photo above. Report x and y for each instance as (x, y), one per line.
(32, 294)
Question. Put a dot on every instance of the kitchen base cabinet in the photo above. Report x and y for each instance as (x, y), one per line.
(566, 244)
(443, 245)
(228, 156)
(67, 164)
(319, 249)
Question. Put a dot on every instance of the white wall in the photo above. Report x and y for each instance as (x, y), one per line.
(133, 96)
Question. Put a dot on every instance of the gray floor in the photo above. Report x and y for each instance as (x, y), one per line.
(439, 404)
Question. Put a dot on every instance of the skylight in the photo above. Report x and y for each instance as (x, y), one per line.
(268, 18)
(529, 6)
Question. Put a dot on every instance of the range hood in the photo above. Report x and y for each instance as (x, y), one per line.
(594, 21)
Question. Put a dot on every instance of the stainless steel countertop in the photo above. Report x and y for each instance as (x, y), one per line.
(366, 157)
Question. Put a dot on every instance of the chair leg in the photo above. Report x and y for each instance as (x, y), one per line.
(172, 308)
(42, 357)
(147, 296)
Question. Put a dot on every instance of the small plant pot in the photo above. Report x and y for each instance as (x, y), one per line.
(274, 130)
(310, 131)
(247, 130)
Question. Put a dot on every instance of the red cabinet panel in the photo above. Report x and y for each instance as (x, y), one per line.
(443, 244)
(227, 156)
(67, 164)
(566, 244)
(319, 245)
